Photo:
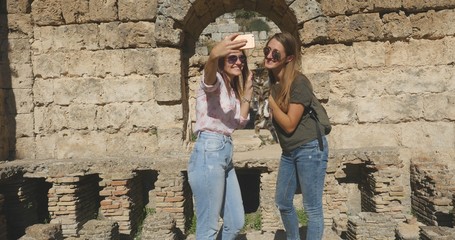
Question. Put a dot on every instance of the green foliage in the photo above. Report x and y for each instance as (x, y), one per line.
(252, 222)
(192, 227)
(244, 14)
(145, 212)
(249, 21)
(303, 218)
(258, 25)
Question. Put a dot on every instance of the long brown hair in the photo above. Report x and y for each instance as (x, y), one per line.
(291, 69)
(238, 83)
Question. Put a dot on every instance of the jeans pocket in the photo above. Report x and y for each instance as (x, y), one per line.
(214, 145)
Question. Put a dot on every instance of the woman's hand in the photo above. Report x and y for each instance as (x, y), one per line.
(248, 93)
(227, 46)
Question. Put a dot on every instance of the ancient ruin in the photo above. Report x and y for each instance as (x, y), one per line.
(97, 100)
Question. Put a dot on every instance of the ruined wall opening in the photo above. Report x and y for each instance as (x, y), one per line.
(25, 203)
(250, 186)
(353, 181)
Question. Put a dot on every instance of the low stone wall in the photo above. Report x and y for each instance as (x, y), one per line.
(433, 187)
(436, 233)
(371, 226)
(43, 232)
(363, 180)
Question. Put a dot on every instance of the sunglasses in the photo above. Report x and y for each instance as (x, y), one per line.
(276, 55)
(233, 59)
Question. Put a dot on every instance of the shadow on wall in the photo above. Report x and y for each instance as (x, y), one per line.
(8, 109)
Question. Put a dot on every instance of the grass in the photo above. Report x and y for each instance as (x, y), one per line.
(146, 212)
(301, 215)
(252, 222)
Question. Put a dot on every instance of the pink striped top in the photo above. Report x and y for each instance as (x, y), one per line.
(216, 110)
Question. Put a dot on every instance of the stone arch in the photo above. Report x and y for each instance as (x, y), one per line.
(179, 25)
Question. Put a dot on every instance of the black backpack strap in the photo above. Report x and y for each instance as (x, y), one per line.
(315, 118)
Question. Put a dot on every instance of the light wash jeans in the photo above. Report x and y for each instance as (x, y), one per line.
(215, 187)
(308, 165)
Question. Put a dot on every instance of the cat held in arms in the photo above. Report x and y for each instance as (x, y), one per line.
(261, 91)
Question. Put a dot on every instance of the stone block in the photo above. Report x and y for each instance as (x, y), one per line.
(341, 111)
(47, 12)
(170, 138)
(20, 26)
(431, 52)
(381, 135)
(78, 90)
(370, 54)
(168, 87)
(133, 88)
(439, 107)
(175, 9)
(111, 117)
(49, 65)
(306, 10)
(427, 135)
(19, 6)
(23, 100)
(389, 109)
(76, 11)
(45, 146)
(168, 60)
(103, 11)
(140, 61)
(81, 116)
(72, 144)
(66, 38)
(165, 34)
(19, 50)
(25, 148)
(423, 4)
(137, 10)
(24, 125)
(358, 27)
(43, 232)
(127, 35)
(334, 57)
(43, 91)
(21, 76)
(380, 5)
(433, 24)
(397, 26)
(314, 31)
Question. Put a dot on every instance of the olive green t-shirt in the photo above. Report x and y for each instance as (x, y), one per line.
(301, 92)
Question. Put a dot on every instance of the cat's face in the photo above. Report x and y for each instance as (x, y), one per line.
(261, 76)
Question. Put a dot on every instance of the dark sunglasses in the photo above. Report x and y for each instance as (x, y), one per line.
(233, 59)
(276, 55)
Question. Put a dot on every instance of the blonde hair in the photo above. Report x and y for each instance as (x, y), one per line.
(239, 81)
(291, 69)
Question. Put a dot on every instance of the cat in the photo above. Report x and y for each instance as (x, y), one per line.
(261, 91)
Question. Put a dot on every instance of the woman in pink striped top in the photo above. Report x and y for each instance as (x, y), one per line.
(222, 105)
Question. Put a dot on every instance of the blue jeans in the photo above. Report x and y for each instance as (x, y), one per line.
(215, 187)
(308, 165)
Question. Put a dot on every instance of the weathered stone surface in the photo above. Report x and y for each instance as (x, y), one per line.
(102, 11)
(168, 88)
(47, 12)
(137, 10)
(305, 10)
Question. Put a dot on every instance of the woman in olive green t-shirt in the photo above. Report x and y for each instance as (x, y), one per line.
(301, 159)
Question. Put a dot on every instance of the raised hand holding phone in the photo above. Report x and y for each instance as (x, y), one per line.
(249, 38)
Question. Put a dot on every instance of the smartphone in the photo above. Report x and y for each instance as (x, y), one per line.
(249, 38)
